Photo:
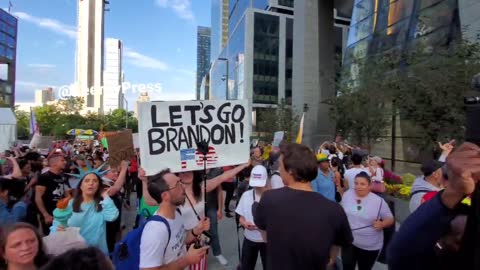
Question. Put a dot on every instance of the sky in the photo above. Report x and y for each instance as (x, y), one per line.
(159, 39)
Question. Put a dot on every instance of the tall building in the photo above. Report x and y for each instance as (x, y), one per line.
(112, 77)
(89, 54)
(8, 58)
(320, 38)
(144, 97)
(44, 96)
(219, 24)
(256, 63)
(395, 27)
(203, 55)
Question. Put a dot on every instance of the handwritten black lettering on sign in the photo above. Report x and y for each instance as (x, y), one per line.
(180, 132)
(120, 147)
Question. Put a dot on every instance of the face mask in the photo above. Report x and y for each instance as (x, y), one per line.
(2, 161)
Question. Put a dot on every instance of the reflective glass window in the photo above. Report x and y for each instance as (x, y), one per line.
(399, 10)
(286, 3)
(266, 49)
(435, 17)
(360, 30)
(363, 9)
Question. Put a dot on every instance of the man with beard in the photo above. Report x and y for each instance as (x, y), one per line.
(162, 246)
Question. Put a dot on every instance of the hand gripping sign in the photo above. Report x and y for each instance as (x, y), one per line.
(169, 132)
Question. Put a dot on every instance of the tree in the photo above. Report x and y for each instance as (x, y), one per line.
(431, 91)
(47, 118)
(23, 123)
(71, 105)
(361, 102)
(281, 118)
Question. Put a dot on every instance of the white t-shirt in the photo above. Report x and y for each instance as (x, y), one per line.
(350, 175)
(155, 237)
(189, 218)
(276, 181)
(244, 209)
(363, 214)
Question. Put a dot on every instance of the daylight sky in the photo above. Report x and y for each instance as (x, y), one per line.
(159, 38)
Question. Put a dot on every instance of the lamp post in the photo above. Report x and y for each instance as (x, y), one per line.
(126, 112)
(225, 77)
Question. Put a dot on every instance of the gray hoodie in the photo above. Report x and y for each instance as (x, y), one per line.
(422, 185)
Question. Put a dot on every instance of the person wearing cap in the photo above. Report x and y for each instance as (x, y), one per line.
(430, 181)
(324, 183)
(253, 242)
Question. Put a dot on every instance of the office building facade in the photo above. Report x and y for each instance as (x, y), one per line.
(89, 53)
(144, 97)
(203, 55)
(44, 96)
(8, 58)
(219, 24)
(112, 78)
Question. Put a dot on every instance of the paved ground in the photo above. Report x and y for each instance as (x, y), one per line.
(228, 241)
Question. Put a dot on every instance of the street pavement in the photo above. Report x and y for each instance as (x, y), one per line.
(228, 240)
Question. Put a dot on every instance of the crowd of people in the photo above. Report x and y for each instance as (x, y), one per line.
(298, 208)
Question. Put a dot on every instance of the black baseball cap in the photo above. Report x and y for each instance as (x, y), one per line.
(429, 167)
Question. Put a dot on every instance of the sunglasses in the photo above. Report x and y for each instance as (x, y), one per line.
(359, 207)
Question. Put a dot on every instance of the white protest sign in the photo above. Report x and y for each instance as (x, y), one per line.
(135, 140)
(278, 138)
(169, 132)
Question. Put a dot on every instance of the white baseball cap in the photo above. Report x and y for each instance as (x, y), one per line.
(258, 176)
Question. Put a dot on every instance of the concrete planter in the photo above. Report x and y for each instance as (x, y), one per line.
(401, 208)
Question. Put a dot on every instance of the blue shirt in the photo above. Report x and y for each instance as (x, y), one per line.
(16, 214)
(324, 184)
(92, 224)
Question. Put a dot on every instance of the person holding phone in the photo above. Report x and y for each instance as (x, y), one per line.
(253, 242)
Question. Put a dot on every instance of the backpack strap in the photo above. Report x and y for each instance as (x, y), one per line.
(164, 221)
(419, 191)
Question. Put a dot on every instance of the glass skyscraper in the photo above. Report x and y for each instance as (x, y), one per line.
(8, 55)
(203, 56)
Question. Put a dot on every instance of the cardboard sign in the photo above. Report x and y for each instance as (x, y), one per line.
(169, 133)
(120, 147)
(41, 142)
(278, 138)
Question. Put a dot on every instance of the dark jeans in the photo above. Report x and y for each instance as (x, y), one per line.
(352, 255)
(215, 241)
(250, 252)
(113, 228)
(229, 189)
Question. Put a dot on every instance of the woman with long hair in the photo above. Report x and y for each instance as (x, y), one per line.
(368, 214)
(90, 258)
(89, 209)
(194, 208)
(21, 248)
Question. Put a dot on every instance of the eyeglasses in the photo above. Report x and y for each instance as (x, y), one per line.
(359, 207)
(179, 182)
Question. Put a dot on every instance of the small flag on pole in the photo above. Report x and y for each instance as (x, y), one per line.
(300, 130)
(33, 123)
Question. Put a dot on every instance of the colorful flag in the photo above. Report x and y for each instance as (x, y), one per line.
(300, 130)
(33, 123)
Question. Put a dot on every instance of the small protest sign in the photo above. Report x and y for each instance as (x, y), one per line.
(120, 147)
(278, 138)
(169, 133)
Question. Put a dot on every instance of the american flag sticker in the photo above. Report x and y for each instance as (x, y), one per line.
(212, 157)
(185, 155)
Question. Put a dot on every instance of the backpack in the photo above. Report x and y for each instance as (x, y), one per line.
(126, 255)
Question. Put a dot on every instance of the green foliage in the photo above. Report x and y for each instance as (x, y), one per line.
(281, 118)
(408, 179)
(23, 123)
(425, 86)
(56, 120)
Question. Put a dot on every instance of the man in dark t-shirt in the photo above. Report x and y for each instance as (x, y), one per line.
(51, 187)
(303, 228)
